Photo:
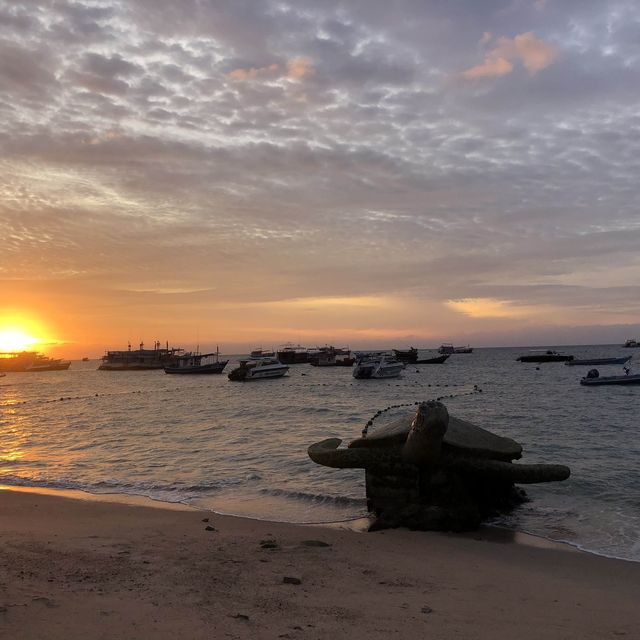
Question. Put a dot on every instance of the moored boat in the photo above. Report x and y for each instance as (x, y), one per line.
(31, 361)
(466, 349)
(594, 379)
(292, 354)
(447, 347)
(140, 359)
(331, 357)
(376, 365)
(258, 370)
(408, 356)
(597, 361)
(258, 354)
(544, 355)
(197, 363)
(631, 344)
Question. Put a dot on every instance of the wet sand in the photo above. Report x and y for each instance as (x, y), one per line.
(93, 569)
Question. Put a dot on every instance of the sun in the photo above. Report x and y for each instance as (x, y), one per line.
(16, 340)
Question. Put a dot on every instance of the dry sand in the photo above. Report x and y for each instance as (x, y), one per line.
(84, 569)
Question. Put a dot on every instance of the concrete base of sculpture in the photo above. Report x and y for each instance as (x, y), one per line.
(422, 477)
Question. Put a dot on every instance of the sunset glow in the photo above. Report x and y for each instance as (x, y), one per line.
(16, 341)
(284, 171)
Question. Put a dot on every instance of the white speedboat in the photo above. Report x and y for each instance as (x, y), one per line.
(376, 366)
(258, 370)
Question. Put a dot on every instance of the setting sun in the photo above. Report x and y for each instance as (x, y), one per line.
(16, 340)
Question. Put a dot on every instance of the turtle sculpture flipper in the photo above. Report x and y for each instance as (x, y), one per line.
(439, 465)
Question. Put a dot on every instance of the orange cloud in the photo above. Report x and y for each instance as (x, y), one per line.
(251, 74)
(532, 52)
(298, 68)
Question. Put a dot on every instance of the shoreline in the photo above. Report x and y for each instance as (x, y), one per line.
(92, 568)
(356, 525)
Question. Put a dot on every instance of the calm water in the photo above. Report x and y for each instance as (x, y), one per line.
(240, 448)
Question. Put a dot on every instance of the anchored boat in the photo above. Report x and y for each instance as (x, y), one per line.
(258, 370)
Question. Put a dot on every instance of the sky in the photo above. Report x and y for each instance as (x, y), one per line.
(372, 172)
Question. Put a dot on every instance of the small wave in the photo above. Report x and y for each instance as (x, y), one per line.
(318, 498)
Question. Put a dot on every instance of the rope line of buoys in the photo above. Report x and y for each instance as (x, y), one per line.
(468, 392)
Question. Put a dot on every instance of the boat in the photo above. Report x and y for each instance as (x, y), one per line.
(631, 344)
(331, 357)
(258, 370)
(292, 354)
(32, 361)
(544, 355)
(141, 359)
(447, 347)
(597, 361)
(437, 360)
(376, 365)
(408, 356)
(196, 363)
(259, 354)
(466, 349)
(85, 359)
(593, 378)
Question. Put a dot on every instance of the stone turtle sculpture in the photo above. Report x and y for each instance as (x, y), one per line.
(435, 471)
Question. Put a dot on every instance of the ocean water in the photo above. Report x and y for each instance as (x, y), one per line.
(240, 448)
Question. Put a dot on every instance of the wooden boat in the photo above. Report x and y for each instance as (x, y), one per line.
(597, 361)
(331, 357)
(408, 356)
(544, 355)
(437, 360)
(466, 349)
(140, 359)
(258, 370)
(293, 354)
(197, 363)
(593, 379)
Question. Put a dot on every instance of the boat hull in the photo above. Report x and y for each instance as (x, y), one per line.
(545, 358)
(216, 367)
(611, 380)
(439, 360)
(598, 361)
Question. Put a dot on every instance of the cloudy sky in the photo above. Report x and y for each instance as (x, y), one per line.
(367, 172)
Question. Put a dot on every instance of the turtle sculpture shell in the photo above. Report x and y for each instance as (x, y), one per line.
(461, 436)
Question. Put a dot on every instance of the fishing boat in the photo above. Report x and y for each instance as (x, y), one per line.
(593, 379)
(197, 363)
(331, 357)
(544, 355)
(259, 354)
(141, 359)
(597, 361)
(292, 354)
(258, 370)
(466, 349)
(448, 348)
(376, 365)
(631, 344)
(408, 356)
(32, 361)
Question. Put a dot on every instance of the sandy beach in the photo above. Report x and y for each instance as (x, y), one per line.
(93, 569)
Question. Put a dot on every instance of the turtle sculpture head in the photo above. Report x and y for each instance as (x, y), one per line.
(424, 441)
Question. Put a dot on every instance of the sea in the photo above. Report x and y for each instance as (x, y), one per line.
(240, 448)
